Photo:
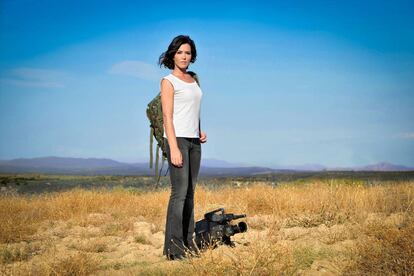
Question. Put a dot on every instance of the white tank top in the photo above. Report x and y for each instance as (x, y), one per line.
(186, 114)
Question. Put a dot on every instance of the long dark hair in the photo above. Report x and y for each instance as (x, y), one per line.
(167, 58)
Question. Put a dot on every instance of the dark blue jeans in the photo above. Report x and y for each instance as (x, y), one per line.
(179, 227)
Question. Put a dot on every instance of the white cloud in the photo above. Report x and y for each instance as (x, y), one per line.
(408, 135)
(35, 77)
(135, 68)
(25, 83)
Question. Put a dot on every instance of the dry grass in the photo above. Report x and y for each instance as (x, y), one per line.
(385, 249)
(293, 229)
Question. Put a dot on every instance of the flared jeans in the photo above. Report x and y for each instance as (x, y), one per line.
(179, 228)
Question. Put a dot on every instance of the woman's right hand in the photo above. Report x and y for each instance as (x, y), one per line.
(176, 157)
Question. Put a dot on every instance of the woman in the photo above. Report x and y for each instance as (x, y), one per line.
(180, 99)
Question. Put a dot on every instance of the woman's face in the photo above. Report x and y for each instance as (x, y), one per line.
(183, 56)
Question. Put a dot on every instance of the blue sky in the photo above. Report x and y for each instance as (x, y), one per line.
(284, 82)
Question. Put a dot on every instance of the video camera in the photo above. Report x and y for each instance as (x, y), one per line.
(216, 229)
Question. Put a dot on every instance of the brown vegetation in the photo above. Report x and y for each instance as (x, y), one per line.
(311, 228)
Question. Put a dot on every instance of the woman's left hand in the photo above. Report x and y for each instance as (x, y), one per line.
(203, 137)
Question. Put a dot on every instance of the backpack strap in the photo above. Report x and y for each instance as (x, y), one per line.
(157, 160)
(194, 76)
(159, 173)
(151, 146)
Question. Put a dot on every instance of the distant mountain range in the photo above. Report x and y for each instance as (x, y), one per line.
(211, 167)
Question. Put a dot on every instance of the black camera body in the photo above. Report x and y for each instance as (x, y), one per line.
(216, 229)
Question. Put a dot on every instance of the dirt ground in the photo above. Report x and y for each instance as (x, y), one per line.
(322, 249)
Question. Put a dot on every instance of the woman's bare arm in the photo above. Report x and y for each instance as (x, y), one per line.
(167, 102)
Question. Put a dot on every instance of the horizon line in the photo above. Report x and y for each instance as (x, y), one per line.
(237, 164)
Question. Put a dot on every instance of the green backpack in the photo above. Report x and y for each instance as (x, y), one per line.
(154, 114)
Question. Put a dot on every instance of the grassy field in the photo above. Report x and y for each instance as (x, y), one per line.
(331, 226)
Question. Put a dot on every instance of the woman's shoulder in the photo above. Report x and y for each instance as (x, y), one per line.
(167, 79)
